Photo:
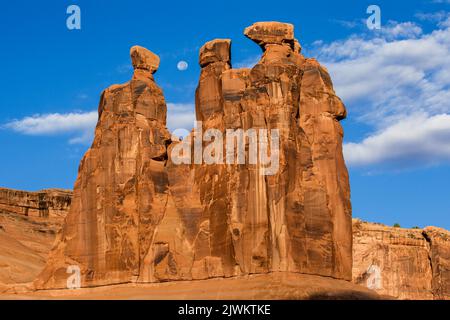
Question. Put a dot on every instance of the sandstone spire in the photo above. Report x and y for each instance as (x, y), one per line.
(121, 190)
(298, 219)
(139, 216)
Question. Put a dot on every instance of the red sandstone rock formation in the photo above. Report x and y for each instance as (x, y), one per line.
(298, 219)
(396, 262)
(29, 222)
(51, 203)
(120, 194)
(403, 263)
(439, 242)
(137, 215)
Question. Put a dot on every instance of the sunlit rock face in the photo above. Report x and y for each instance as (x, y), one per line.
(140, 216)
(299, 218)
(121, 192)
(402, 263)
(29, 222)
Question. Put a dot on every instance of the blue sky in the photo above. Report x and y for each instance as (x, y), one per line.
(395, 83)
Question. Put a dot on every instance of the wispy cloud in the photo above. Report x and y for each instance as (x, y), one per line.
(349, 24)
(79, 124)
(417, 140)
(247, 63)
(82, 96)
(398, 81)
(431, 16)
(180, 116)
(124, 68)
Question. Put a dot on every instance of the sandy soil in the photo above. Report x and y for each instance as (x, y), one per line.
(266, 286)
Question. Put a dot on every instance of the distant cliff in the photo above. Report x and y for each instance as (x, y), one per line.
(404, 263)
(45, 203)
(29, 222)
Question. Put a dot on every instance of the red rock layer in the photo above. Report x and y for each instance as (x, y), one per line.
(44, 203)
(403, 263)
(29, 222)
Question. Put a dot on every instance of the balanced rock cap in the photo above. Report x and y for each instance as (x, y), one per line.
(270, 33)
(217, 50)
(144, 59)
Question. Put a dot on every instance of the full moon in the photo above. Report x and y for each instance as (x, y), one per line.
(182, 65)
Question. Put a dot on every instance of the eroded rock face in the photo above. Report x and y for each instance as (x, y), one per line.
(215, 51)
(139, 215)
(29, 222)
(439, 242)
(273, 32)
(395, 262)
(121, 192)
(44, 203)
(403, 263)
(299, 218)
(143, 59)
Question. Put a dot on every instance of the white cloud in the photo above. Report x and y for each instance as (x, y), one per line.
(350, 24)
(81, 124)
(393, 80)
(432, 16)
(394, 30)
(416, 140)
(180, 116)
(391, 77)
